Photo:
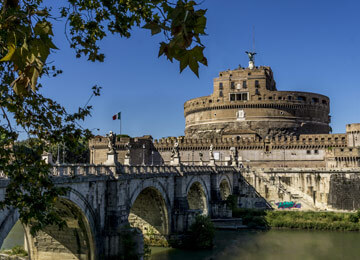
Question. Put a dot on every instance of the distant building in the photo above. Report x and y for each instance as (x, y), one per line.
(246, 115)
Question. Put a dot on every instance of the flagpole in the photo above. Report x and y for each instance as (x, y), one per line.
(120, 123)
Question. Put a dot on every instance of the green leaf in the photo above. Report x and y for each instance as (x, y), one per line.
(11, 50)
(154, 27)
(43, 28)
(194, 66)
(34, 76)
(200, 25)
(184, 61)
(162, 50)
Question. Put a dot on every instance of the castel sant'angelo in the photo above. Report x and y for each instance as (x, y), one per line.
(248, 122)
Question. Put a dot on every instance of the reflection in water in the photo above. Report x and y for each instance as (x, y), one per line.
(251, 245)
(272, 245)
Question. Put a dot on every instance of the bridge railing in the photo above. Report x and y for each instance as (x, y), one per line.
(70, 170)
(81, 169)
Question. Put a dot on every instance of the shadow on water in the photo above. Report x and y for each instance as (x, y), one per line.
(271, 245)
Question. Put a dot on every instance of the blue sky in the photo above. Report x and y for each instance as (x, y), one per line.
(311, 46)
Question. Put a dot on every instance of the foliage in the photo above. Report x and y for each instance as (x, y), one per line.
(16, 250)
(181, 23)
(313, 220)
(26, 41)
(231, 201)
(201, 233)
(252, 218)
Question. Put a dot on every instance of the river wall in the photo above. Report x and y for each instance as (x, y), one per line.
(304, 189)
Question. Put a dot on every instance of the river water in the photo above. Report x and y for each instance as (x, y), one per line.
(272, 245)
(259, 245)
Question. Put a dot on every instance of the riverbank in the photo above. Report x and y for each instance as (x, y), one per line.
(299, 219)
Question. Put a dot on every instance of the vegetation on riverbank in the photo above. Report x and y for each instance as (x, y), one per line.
(299, 219)
(314, 220)
(200, 235)
(15, 251)
(265, 219)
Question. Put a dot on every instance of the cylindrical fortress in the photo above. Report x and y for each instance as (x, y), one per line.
(245, 102)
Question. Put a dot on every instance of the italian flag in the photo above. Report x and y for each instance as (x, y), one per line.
(117, 116)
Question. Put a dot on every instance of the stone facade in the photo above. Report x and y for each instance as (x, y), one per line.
(245, 102)
(159, 201)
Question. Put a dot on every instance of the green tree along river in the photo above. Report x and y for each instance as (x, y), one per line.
(274, 244)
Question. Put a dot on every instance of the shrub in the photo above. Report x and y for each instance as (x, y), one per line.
(201, 234)
(231, 202)
(353, 218)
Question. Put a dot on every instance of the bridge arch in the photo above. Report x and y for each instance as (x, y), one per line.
(225, 187)
(198, 195)
(8, 219)
(76, 241)
(150, 212)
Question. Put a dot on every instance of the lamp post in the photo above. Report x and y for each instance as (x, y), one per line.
(143, 155)
(64, 152)
(58, 155)
(152, 158)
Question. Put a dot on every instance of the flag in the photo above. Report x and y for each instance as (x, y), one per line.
(117, 116)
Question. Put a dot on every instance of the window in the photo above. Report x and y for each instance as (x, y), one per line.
(221, 94)
(232, 85)
(220, 86)
(238, 96)
(244, 96)
(308, 152)
(324, 102)
(315, 100)
(301, 98)
(244, 84)
(279, 98)
(257, 92)
(289, 97)
(257, 85)
(270, 97)
(316, 152)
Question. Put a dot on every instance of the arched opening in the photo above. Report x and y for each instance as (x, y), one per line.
(225, 190)
(75, 241)
(149, 214)
(14, 238)
(197, 200)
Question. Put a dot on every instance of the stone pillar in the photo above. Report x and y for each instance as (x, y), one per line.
(175, 161)
(251, 65)
(111, 158)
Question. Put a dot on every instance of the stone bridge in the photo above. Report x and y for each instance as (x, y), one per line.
(102, 201)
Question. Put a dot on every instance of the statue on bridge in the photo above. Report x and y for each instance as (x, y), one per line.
(111, 141)
(175, 150)
(175, 154)
(234, 157)
(128, 148)
(211, 152)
